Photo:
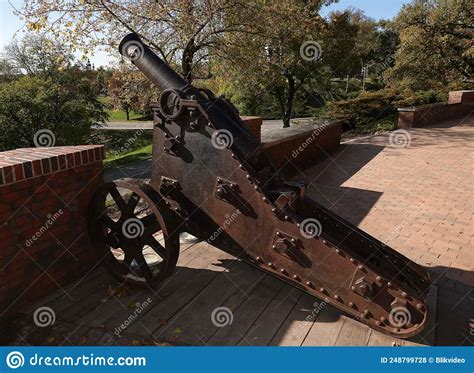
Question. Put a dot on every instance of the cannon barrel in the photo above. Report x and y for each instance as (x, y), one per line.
(164, 77)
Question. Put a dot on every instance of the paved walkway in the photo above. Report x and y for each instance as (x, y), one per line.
(418, 199)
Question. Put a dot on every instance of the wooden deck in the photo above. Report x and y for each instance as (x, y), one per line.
(265, 310)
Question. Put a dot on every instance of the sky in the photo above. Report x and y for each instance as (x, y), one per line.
(377, 9)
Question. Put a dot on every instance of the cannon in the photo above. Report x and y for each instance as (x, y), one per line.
(211, 178)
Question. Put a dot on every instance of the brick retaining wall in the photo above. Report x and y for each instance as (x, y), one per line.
(460, 104)
(305, 149)
(255, 125)
(44, 194)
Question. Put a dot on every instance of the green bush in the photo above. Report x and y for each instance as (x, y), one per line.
(46, 112)
(373, 106)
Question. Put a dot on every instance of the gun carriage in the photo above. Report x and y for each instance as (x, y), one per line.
(211, 178)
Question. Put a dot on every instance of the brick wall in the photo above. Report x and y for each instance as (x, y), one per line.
(44, 194)
(460, 104)
(304, 149)
(255, 125)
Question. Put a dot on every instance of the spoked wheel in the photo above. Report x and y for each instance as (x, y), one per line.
(133, 233)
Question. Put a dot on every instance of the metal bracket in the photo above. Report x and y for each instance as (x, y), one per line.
(291, 248)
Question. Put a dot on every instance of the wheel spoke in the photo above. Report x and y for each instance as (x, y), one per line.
(144, 269)
(151, 225)
(118, 199)
(132, 203)
(156, 246)
(108, 222)
(112, 241)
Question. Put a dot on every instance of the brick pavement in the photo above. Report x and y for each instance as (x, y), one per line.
(419, 199)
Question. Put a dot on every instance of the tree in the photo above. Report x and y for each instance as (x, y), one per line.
(66, 106)
(36, 54)
(185, 32)
(281, 53)
(435, 44)
(129, 90)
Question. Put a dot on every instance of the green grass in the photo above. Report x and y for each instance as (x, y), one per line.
(123, 146)
(114, 161)
(120, 115)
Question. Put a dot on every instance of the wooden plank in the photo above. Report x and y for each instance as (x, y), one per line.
(267, 325)
(379, 339)
(325, 329)
(58, 298)
(299, 322)
(184, 285)
(247, 313)
(131, 302)
(194, 324)
(353, 333)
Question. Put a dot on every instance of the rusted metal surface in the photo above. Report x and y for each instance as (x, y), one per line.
(215, 181)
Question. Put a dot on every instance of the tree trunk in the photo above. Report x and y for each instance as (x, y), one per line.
(187, 62)
(289, 101)
(347, 84)
(127, 113)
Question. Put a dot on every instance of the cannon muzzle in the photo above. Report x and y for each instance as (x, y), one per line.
(158, 71)
(164, 77)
